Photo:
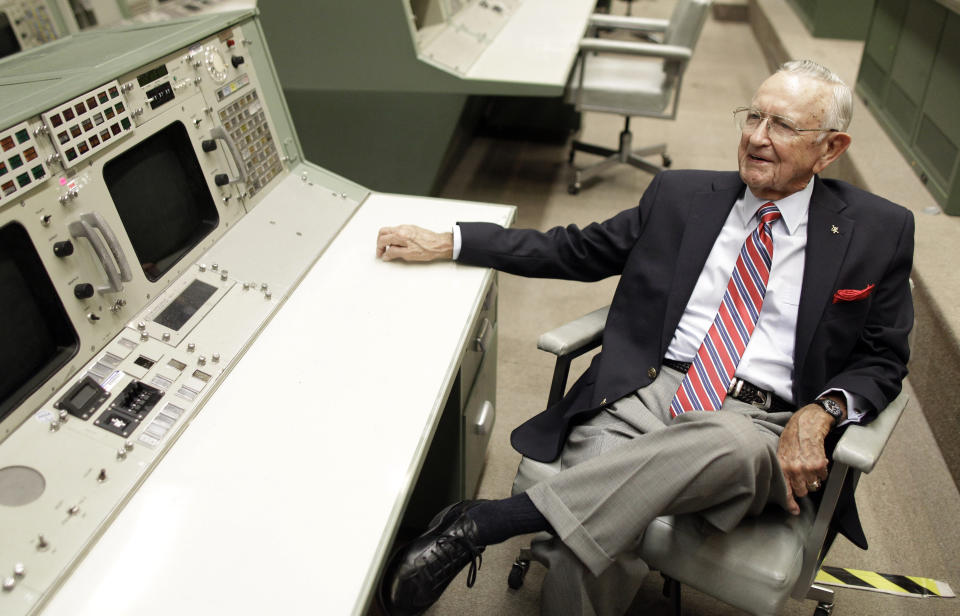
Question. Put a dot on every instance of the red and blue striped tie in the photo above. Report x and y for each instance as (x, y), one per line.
(706, 383)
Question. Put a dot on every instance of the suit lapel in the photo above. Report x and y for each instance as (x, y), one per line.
(705, 218)
(828, 235)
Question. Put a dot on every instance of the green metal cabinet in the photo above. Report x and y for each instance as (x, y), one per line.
(844, 19)
(910, 79)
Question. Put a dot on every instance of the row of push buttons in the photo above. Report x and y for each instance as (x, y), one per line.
(20, 166)
(247, 123)
(88, 122)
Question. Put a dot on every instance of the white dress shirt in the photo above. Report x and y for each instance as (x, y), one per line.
(767, 361)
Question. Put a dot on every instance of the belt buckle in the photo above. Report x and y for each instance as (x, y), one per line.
(761, 399)
(736, 385)
(766, 400)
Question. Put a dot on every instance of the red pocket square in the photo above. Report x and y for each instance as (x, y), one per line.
(853, 295)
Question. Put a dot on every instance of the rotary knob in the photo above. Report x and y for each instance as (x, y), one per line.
(83, 290)
(208, 145)
(236, 61)
(63, 249)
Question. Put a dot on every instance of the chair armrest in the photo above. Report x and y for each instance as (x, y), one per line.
(573, 336)
(860, 446)
(636, 48)
(621, 22)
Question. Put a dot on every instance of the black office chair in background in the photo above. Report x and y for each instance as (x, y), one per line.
(766, 559)
(632, 78)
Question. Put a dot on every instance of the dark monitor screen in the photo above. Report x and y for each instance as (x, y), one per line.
(162, 197)
(8, 38)
(36, 336)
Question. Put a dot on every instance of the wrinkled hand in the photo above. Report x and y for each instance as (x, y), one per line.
(412, 243)
(801, 453)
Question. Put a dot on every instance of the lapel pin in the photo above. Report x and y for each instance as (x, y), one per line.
(834, 229)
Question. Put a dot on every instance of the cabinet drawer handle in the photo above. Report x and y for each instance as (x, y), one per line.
(484, 423)
(482, 343)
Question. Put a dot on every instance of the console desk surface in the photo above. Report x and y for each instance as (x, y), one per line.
(284, 493)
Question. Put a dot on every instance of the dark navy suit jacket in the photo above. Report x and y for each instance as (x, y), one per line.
(854, 240)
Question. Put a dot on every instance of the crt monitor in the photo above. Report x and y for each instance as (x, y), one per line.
(162, 197)
(8, 37)
(36, 335)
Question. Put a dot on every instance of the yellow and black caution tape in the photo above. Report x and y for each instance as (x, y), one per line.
(903, 585)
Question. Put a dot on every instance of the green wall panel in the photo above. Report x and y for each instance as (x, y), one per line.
(942, 103)
(881, 44)
(386, 141)
(917, 48)
(910, 79)
(845, 19)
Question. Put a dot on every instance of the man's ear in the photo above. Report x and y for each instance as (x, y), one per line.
(833, 146)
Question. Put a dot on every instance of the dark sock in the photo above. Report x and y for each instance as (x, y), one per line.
(498, 520)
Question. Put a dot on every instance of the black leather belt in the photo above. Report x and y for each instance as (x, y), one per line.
(745, 391)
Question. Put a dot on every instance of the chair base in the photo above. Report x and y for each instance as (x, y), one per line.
(626, 154)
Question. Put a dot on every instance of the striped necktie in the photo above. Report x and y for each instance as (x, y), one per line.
(705, 385)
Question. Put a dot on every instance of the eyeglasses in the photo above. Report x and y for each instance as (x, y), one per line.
(778, 127)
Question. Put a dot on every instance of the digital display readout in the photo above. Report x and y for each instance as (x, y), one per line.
(152, 75)
(83, 398)
(160, 95)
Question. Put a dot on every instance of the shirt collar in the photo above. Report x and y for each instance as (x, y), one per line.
(793, 208)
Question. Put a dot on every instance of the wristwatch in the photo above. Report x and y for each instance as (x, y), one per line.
(831, 407)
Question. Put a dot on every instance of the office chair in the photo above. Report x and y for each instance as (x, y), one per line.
(632, 78)
(767, 558)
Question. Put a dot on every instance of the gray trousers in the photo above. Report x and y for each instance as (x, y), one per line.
(630, 464)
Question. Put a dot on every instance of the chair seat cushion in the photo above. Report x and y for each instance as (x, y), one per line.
(754, 567)
(621, 84)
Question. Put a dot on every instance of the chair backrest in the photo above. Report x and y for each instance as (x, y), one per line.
(613, 81)
(686, 23)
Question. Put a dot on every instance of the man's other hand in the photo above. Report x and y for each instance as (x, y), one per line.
(801, 453)
(412, 243)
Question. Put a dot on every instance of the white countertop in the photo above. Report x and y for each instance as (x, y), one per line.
(538, 45)
(283, 494)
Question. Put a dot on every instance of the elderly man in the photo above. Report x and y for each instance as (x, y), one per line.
(773, 296)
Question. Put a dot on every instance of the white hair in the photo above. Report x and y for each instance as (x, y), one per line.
(840, 111)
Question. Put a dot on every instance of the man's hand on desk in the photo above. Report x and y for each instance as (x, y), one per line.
(412, 243)
(801, 452)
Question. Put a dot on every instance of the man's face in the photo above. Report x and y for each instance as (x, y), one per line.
(776, 167)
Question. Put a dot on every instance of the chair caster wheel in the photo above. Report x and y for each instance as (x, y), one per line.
(573, 189)
(517, 573)
(823, 609)
(667, 161)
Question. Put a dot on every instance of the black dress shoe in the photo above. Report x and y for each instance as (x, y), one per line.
(420, 571)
